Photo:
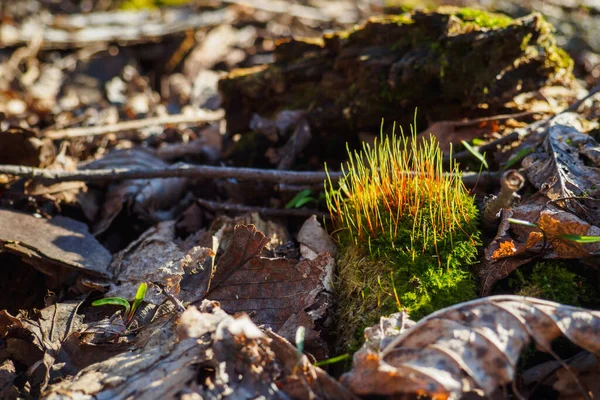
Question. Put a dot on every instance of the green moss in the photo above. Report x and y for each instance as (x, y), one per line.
(482, 19)
(411, 253)
(552, 280)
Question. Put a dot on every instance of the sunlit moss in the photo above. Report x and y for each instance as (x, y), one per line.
(407, 232)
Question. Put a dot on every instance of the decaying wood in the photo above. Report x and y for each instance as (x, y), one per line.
(350, 81)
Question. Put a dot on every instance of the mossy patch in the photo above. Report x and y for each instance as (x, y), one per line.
(555, 281)
(407, 239)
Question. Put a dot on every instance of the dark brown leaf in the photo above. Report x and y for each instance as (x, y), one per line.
(150, 199)
(48, 244)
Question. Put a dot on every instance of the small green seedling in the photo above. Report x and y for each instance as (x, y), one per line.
(300, 334)
(119, 301)
(522, 222)
(581, 238)
(301, 198)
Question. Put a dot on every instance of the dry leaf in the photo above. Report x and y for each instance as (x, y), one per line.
(563, 170)
(49, 245)
(40, 343)
(150, 199)
(468, 347)
(516, 245)
(271, 290)
(153, 257)
(314, 240)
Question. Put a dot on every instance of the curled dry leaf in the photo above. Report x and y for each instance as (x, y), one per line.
(567, 167)
(314, 240)
(468, 347)
(46, 344)
(150, 199)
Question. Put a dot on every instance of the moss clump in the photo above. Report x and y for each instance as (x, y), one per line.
(407, 233)
(553, 280)
(483, 19)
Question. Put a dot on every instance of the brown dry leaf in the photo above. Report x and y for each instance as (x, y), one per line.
(150, 199)
(516, 245)
(567, 167)
(586, 370)
(64, 192)
(153, 257)
(449, 133)
(8, 374)
(50, 245)
(314, 240)
(207, 354)
(583, 367)
(271, 290)
(473, 346)
(43, 343)
(502, 256)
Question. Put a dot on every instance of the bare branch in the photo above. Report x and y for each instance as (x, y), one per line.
(199, 172)
(202, 116)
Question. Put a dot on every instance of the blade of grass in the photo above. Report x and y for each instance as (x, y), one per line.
(332, 360)
(581, 238)
(517, 158)
(522, 222)
(476, 153)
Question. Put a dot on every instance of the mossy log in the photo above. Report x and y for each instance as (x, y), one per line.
(449, 63)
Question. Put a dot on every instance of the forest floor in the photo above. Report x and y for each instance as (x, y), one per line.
(179, 219)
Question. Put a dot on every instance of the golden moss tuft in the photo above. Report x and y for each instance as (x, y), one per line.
(407, 232)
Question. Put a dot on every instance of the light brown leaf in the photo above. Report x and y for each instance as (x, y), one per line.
(470, 346)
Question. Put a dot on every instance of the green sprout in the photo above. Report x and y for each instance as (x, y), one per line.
(119, 301)
(475, 153)
(301, 198)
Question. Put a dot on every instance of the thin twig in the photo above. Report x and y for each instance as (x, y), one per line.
(519, 134)
(199, 171)
(265, 211)
(202, 116)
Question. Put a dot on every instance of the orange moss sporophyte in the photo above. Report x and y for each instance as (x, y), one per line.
(407, 233)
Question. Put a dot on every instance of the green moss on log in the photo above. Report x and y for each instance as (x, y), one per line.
(446, 62)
